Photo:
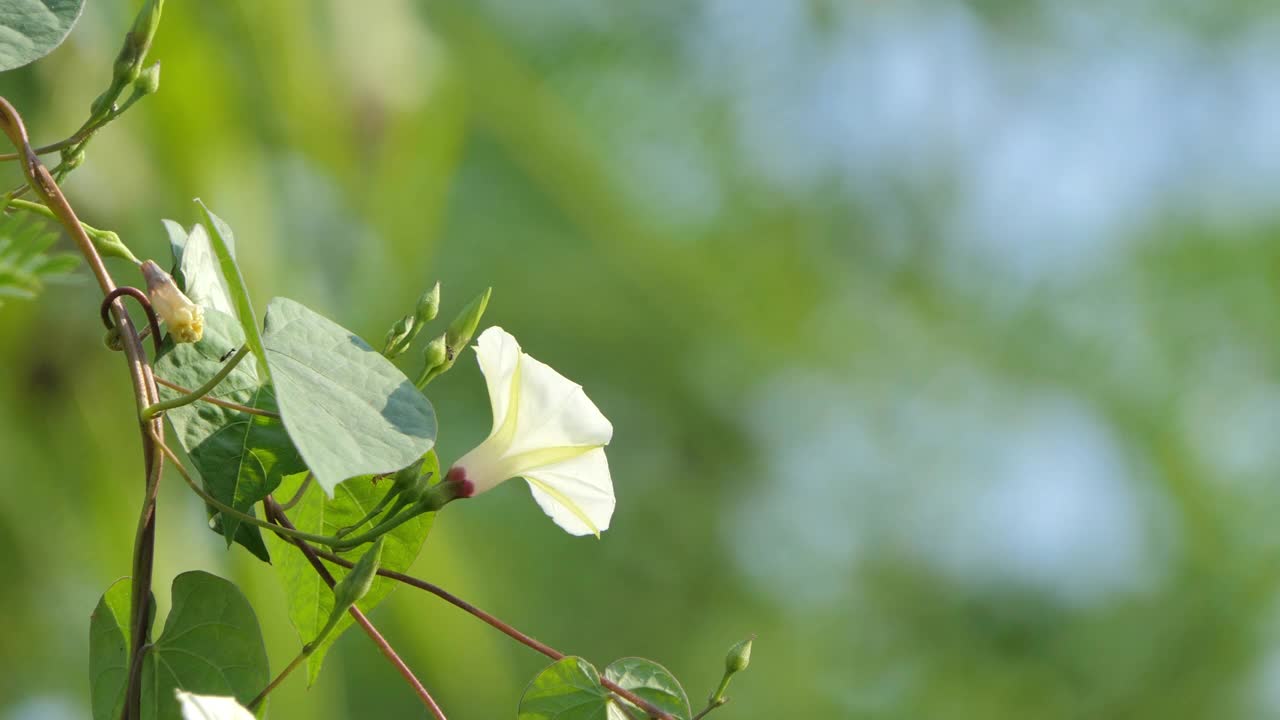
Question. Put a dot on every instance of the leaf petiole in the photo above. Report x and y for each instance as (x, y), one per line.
(151, 411)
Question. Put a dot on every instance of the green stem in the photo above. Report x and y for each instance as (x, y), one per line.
(254, 703)
(153, 410)
(297, 496)
(243, 517)
(105, 241)
(307, 650)
(378, 530)
(218, 401)
(710, 706)
(377, 509)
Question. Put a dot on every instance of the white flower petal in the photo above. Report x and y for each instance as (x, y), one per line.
(553, 411)
(211, 707)
(577, 493)
(499, 356)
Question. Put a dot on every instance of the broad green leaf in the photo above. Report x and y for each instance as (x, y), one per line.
(650, 681)
(196, 268)
(240, 457)
(224, 249)
(568, 689)
(349, 411)
(211, 645)
(310, 599)
(31, 29)
(177, 244)
(109, 651)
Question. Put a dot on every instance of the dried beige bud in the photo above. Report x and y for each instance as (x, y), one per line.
(184, 318)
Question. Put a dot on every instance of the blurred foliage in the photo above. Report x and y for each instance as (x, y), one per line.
(940, 341)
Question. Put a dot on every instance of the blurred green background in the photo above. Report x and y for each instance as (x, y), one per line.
(940, 339)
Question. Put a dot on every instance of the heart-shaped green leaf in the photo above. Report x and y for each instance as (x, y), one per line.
(651, 682)
(568, 689)
(211, 645)
(349, 411)
(109, 651)
(223, 243)
(31, 29)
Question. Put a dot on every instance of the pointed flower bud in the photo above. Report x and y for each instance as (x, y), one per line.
(109, 244)
(465, 324)
(148, 81)
(739, 657)
(395, 343)
(428, 306)
(184, 318)
(355, 585)
(137, 42)
(435, 361)
(211, 707)
(546, 430)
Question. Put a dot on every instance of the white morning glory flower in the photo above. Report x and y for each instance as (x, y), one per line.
(184, 318)
(211, 707)
(546, 430)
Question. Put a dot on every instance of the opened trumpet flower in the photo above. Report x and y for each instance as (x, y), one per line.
(211, 707)
(184, 318)
(545, 430)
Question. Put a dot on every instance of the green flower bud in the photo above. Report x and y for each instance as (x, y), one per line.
(109, 244)
(410, 480)
(739, 656)
(148, 81)
(137, 42)
(126, 68)
(435, 360)
(437, 353)
(428, 306)
(465, 324)
(356, 584)
(395, 343)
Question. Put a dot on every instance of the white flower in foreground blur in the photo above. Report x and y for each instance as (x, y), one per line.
(210, 707)
(545, 430)
(184, 318)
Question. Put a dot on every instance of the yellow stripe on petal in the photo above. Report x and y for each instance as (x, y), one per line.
(569, 505)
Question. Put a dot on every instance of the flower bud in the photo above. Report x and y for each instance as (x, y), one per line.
(395, 343)
(435, 361)
(184, 318)
(126, 67)
(428, 306)
(356, 584)
(137, 42)
(465, 324)
(148, 81)
(109, 244)
(739, 656)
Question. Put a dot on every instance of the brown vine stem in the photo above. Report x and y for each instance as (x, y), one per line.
(505, 628)
(144, 392)
(276, 515)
